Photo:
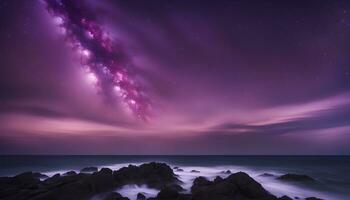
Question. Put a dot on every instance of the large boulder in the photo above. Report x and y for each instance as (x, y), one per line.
(156, 175)
(237, 186)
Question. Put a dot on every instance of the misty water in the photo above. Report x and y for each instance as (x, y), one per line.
(330, 172)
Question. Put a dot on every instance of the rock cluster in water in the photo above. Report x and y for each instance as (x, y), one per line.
(295, 177)
(82, 186)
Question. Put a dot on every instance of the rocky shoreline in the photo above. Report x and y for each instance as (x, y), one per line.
(91, 182)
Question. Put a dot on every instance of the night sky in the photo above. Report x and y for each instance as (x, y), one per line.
(175, 77)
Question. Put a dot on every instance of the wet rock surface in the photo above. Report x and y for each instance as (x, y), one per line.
(82, 186)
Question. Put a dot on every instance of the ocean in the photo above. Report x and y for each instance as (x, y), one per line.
(331, 172)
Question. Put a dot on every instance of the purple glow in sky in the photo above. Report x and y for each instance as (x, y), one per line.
(174, 77)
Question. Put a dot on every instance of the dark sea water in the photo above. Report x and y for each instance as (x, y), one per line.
(331, 172)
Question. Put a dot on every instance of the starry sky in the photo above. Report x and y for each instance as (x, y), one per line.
(200, 77)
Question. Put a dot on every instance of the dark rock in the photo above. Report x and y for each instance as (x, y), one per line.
(22, 186)
(226, 172)
(176, 167)
(313, 198)
(285, 198)
(70, 173)
(175, 187)
(101, 181)
(7, 189)
(115, 196)
(106, 171)
(27, 180)
(201, 181)
(56, 176)
(179, 170)
(295, 177)
(58, 180)
(236, 186)
(70, 190)
(40, 176)
(140, 196)
(73, 186)
(218, 179)
(78, 186)
(28, 177)
(89, 169)
(168, 193)
(22, 194)
(267, 175)
(153, 174)
(195, 171)
(54, 179)
(247, 185)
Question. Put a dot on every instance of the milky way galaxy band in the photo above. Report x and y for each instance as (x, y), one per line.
(104, 61)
